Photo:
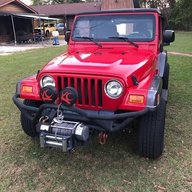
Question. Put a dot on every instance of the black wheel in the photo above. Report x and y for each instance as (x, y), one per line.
(151, 132)
(27, 125)
(47, 33)
(166, 77)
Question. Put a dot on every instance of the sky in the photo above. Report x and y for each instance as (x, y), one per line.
(27, 2)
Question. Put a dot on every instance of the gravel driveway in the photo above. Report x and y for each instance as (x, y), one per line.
(11, 48)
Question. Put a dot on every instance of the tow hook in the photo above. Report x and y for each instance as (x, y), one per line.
(102, 138)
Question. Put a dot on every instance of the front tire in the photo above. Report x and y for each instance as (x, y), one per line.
(28, 126)
(166, 77)
(151, 132)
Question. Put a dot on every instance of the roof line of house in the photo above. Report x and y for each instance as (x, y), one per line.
(67, 8)
(6, 3)
(20, 2)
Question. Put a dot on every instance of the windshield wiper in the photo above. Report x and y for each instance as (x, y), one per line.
(90, 39)
(125, 39)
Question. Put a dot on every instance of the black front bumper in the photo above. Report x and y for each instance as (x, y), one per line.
(101, 120)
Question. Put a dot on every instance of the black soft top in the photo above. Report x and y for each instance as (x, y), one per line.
(131, 10)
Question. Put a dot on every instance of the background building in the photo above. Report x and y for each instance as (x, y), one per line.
(14, 26)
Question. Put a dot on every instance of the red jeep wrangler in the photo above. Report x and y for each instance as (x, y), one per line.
(114, 72)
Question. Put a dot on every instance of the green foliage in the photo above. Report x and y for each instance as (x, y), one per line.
(65, 1)
(178, 13)
(40, 2)
(48, 2)
(161, 4)
(181, 15)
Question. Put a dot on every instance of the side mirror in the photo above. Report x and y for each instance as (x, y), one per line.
(67, 36)
(168, 37)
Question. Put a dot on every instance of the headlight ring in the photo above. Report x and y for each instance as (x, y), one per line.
(113, 89)
(47, 81)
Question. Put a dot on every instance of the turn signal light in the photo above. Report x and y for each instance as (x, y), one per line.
(138, 99)
(27, 89)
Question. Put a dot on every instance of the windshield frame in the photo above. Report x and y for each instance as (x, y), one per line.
(79, 17)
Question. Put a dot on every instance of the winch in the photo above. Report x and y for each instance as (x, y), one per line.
(61, 133)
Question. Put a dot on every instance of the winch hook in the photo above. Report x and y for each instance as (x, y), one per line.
(44, 119)
(102, 138)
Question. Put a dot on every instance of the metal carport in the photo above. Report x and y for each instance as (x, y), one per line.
(11, 25)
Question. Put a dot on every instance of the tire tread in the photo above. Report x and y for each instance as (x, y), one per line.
(151, 132)
(28, 126)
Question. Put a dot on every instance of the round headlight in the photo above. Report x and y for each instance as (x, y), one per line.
(113, 89)
(47, 81)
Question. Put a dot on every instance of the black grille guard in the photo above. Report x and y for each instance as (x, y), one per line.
(83, 115)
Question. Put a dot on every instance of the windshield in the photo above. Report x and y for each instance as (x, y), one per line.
(136, 27)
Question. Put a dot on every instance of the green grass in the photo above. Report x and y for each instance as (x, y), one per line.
(182, 42)
(108, 168)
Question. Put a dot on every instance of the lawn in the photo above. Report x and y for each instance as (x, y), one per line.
(182, 43)
(103, 168)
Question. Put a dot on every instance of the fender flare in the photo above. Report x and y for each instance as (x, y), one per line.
(161, 64)
(154, 91)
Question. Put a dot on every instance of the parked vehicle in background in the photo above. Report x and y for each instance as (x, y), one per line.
(47, 28)
(113, 76)
(61, 28)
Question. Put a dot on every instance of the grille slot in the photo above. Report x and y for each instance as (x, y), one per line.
(100, 92)
(93, 92)
(79, 90)
(89, 90)
(65, 82)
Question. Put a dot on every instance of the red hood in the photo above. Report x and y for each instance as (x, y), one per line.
(108, 62)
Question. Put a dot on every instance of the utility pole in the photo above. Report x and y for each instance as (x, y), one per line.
(13, 26)
(40, 23)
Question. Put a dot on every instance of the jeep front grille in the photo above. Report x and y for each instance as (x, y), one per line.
(89, 90)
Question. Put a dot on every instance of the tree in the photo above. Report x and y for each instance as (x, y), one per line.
(161, 4)
(41, 2)
(181, 15)
(65, 1)
(172, 3)
(48, 2)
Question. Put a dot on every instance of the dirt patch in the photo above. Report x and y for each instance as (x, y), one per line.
(181, 54)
